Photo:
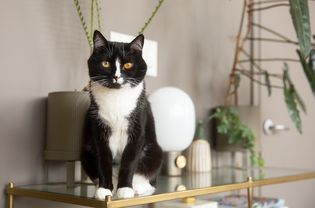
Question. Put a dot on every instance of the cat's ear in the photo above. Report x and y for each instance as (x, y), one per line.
(137, 43)
(98, 40)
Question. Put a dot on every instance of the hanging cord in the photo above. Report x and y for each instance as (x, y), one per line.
(98, 13)
(83, 23)
(99, 19)
(151, 17)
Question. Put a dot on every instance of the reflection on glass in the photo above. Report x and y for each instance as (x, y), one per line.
(188, 181)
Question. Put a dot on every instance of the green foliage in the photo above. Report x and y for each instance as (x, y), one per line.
(231, 126)
(301, 21)
(156, 9)
(89, 35)
(292, 100)
(268, 83)
(309, 69)
(83, 23)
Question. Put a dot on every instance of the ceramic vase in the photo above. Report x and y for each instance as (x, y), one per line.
(199, 154)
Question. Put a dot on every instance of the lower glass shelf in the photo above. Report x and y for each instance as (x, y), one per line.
(168, 188)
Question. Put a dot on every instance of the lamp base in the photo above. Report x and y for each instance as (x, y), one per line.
(174, 162)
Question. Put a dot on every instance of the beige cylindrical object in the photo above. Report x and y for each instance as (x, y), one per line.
(65, 120)
(173, 163)
(199, 157)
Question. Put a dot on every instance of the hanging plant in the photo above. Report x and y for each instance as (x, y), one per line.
(299, 11)
(97, 4)
(230, 125)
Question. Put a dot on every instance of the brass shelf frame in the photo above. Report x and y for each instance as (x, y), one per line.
(250, 184)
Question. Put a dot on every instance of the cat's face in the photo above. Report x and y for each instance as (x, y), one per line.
(116, 65)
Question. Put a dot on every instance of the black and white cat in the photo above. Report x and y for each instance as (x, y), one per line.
(119, 128)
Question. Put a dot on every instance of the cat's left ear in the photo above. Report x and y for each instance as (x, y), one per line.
(137, 43)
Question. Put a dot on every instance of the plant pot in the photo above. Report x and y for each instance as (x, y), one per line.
(249, 115)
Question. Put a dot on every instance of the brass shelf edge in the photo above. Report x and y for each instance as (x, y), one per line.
(208, 190)
(20, 191)
(177, 195)
(283, 179)
(57, 197)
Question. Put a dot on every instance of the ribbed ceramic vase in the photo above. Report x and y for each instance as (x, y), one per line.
(199, 154)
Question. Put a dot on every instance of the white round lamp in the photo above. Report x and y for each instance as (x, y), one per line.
(175, 121)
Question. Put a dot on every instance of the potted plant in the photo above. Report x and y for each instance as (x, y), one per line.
(230, 131)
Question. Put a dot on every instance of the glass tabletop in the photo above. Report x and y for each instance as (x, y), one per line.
(188, 181)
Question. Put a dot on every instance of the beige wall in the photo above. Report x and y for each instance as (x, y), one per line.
(288, 149)
(43, 49)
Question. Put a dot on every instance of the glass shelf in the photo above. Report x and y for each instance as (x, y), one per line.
(189, 184)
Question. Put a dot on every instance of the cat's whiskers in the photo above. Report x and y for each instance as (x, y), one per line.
(132, 81)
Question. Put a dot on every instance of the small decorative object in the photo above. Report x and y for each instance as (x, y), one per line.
(235, 129)
(198, 154)
(174, 115)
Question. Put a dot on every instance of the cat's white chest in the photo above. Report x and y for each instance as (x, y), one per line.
(115, 106)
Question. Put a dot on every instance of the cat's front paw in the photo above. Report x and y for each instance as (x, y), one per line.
(125, 192)
(144, 189)
(101, 193)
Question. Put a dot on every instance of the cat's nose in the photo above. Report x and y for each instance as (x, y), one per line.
(115, 78)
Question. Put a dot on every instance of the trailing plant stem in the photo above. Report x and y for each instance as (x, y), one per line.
(258, 81)
(98, 13)
(83, 23)
(151, 17)
(269, 7)
(270, 59)
(92, 18)
(237, 52)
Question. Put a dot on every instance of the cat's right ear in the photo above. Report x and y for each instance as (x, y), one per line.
(99, 40)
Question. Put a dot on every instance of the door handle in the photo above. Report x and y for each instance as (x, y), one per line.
(271, 128)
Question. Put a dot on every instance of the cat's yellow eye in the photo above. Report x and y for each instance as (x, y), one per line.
(105, 64)
(128, 66)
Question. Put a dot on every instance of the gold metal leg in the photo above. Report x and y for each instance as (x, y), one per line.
(250, 193)
(108, 200)
(10, 195)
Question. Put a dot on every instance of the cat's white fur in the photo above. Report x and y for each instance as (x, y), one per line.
(141, 185)
(125, 192)
(115, 105)
(101, 193)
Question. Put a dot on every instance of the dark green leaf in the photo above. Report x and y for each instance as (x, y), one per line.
(312, 61)
(231, 126)
(237, 82)
(267, 81)
(301, 21)
(309, 73)
(290, 100)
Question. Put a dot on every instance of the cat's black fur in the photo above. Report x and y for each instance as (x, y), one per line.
(142, 153)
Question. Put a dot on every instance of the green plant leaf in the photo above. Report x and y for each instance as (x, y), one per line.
(290, 100)
(230, 125)
(309, 69)
(267, 81)
(301, 21)
(311, 62)
(236, 83)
